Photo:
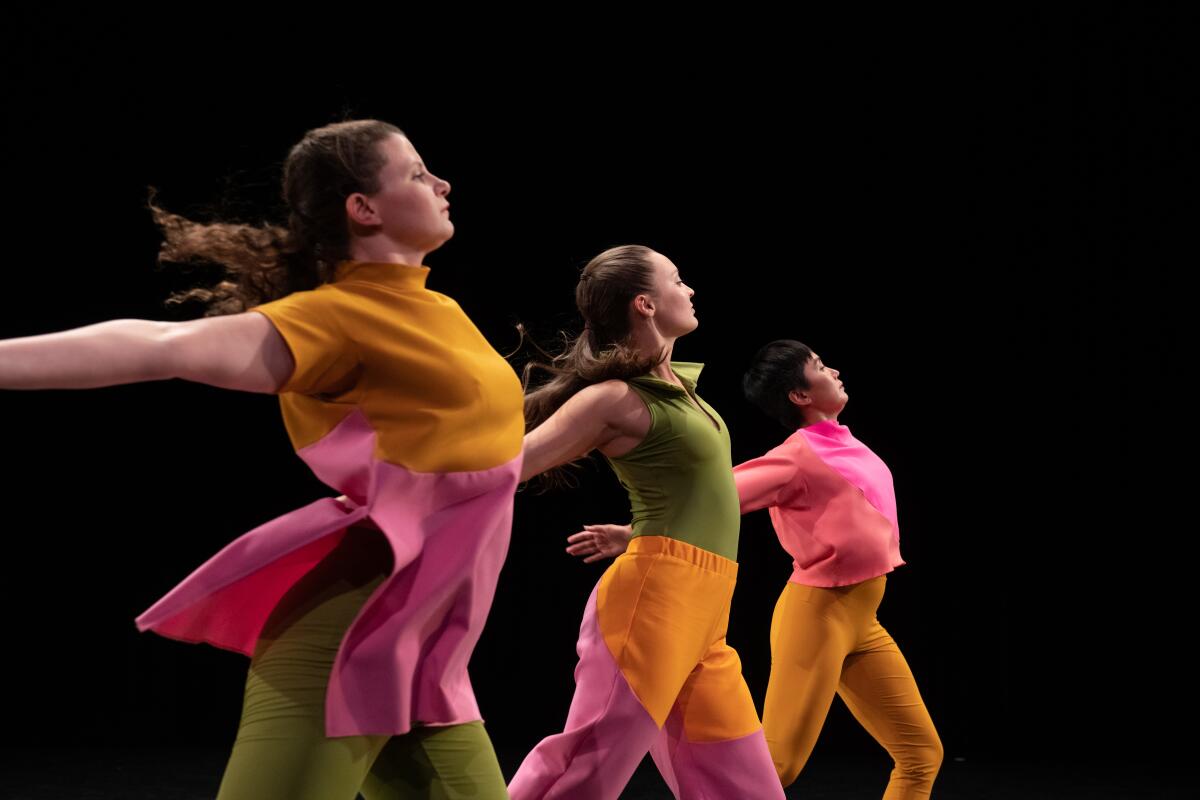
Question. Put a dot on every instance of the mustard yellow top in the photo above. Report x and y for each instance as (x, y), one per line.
(438, 396)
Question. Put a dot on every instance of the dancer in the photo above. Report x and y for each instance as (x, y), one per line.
(359, 614)
(655, 672)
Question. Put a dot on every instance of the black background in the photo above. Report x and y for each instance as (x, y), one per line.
(984, 221)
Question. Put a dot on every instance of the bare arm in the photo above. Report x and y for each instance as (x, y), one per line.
(600, 416)
(241, 351)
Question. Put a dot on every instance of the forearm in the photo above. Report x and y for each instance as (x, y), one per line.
(543, 452)
(106, 354)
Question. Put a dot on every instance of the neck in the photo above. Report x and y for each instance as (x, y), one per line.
(813, 416)
(377, 249)
(648, 341)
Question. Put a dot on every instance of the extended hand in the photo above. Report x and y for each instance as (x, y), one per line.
(595, 542)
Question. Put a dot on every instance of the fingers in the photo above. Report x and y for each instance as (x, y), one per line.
(594, 542)
(589, 547)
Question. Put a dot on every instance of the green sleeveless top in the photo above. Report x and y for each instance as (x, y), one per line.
(680, 477)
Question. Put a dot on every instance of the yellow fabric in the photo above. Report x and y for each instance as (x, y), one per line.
(827, 641)
(439, 397)
(663, 609)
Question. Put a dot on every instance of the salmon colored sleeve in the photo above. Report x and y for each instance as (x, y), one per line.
(326, 357)
(772, 479)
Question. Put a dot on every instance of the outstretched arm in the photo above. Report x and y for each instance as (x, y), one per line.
(240, 351)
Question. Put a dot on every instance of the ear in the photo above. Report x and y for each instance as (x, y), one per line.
(798, 397)
(642, 304)
(360, 211)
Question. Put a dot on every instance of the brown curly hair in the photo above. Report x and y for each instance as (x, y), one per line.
(266, 262)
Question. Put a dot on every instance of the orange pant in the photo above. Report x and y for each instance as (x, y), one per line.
(827, 641)
(656, 674)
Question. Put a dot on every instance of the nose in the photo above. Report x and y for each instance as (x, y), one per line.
(442, 187)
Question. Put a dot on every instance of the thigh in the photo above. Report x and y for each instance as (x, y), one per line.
(299, 768)
(879, 689)
(712, 744)
(281, 748)
(809, 643)
(444, 763)
(715, 703)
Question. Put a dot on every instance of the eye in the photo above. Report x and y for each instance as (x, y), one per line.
(418, 175)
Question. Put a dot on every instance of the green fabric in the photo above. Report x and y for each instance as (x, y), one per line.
(451, 763)
(282, 753)
(680, 477)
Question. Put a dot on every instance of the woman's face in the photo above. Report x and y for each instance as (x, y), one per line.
(411, 206)
(672, 299)
(825, 392)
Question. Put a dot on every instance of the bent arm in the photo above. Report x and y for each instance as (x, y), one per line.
(768, 480)
(241, 351)
(592, 418)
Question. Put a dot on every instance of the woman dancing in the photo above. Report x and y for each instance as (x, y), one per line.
(655, 672)
(359, 614)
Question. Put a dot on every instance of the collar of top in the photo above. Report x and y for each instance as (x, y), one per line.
(686, 371)
(829, 428)
(400, 276)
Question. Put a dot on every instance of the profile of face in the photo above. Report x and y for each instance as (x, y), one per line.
(410, 208)
(670, 299)
(825, 393)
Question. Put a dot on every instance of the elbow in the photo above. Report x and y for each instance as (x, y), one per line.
(167, 345)
(529, 467)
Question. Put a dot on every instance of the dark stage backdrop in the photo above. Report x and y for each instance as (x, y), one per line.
(984, 223)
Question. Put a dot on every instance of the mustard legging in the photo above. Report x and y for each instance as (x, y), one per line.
(827, 641)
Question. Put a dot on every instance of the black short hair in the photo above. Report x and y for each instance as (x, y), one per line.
(776, 370)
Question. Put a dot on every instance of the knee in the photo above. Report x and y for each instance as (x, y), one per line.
(790, 750)
(788, 771)
(922, 761)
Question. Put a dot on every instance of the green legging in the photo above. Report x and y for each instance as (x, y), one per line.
(281, 750)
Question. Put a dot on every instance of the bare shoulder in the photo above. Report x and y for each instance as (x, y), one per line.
(624, 413)
(607, 397)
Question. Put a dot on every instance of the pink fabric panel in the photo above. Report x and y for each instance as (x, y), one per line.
(606, 736)
(739, 767)
(227, 600)
(404, 658)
